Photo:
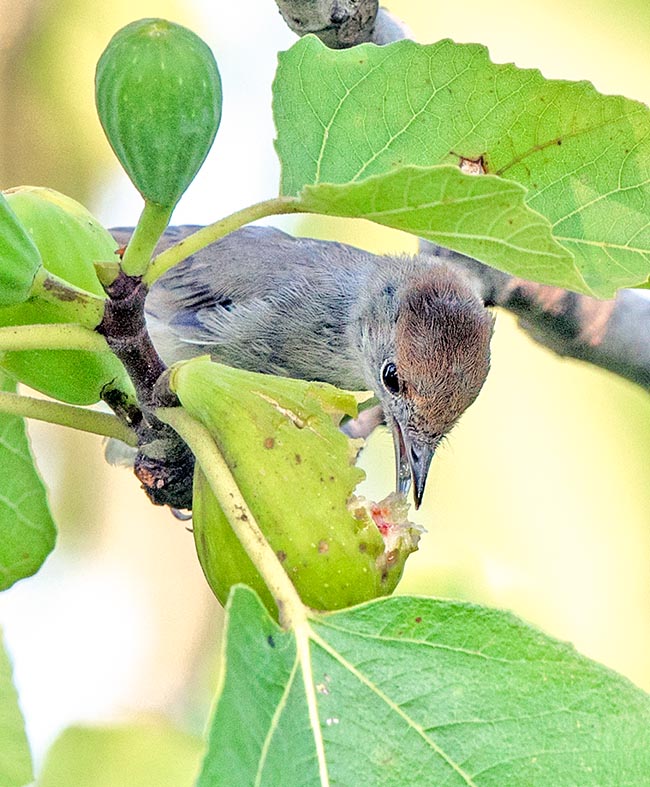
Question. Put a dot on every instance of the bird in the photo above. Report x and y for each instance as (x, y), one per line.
(411, 329)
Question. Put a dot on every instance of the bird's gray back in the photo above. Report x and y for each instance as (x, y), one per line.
(263, 300)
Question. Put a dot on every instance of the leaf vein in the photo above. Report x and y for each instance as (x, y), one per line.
(428, 740)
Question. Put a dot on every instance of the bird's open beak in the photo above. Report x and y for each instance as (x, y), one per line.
(412, 462)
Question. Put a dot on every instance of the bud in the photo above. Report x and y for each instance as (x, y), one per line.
(295, 469)
(64, 233)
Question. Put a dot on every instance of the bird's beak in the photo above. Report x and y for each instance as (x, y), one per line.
(412, 462)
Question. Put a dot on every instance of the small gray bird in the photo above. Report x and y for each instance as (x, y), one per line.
(411, 329)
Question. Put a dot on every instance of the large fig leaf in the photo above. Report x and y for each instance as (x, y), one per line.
(419, 691)
(481, 217)
(584, 158)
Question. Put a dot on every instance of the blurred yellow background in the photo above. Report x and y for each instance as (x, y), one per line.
(539, 502)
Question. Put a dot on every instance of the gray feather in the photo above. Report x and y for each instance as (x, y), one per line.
(263, 300)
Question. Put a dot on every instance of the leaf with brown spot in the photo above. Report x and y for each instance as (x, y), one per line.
(582, 158)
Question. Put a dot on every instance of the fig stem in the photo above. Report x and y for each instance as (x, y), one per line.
(213, 232)
(292, 612)
(151, 225)
(88, 308)
(52, 336)
(66, 415)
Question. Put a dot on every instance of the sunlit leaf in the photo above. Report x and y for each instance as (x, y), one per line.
(27, 532)
(15, 757)
(478, 216)
(416, 691)
(584, 158)
(137, 755)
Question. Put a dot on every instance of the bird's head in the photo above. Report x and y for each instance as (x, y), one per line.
(429, 345)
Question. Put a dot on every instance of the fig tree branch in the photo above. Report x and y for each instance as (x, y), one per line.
(164, 464)
(342, 23)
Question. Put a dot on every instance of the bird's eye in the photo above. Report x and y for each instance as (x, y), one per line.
(389, 377)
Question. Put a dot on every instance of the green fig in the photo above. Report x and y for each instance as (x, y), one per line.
(19, 258)
(62, 230)
(158, 95)
(295, 470)
(69, 240)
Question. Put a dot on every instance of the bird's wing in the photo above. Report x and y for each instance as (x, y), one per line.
(262, 300)
(244, 298)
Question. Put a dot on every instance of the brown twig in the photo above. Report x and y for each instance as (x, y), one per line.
(164, 464)
(341, 24)
(338, 23)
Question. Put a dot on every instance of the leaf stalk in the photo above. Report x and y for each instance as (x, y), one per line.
(292, 612)
(66, 415)
(151, 225)
(219, 229)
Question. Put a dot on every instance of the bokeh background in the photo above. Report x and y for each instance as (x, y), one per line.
(539, 502)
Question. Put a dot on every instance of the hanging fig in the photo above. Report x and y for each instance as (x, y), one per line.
(158, 95)
(295, 470)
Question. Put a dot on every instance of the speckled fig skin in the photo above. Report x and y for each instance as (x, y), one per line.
(294, 468)
(70, 240)
(334, 571)
(158, 95)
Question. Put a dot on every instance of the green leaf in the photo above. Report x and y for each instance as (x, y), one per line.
(584, 158)
(15, 757)
(271, 705)
(478, 216)
(131, 755)
(27, 531)
(19, 258)
(158, 95)
(294, 467)
(417, 691)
